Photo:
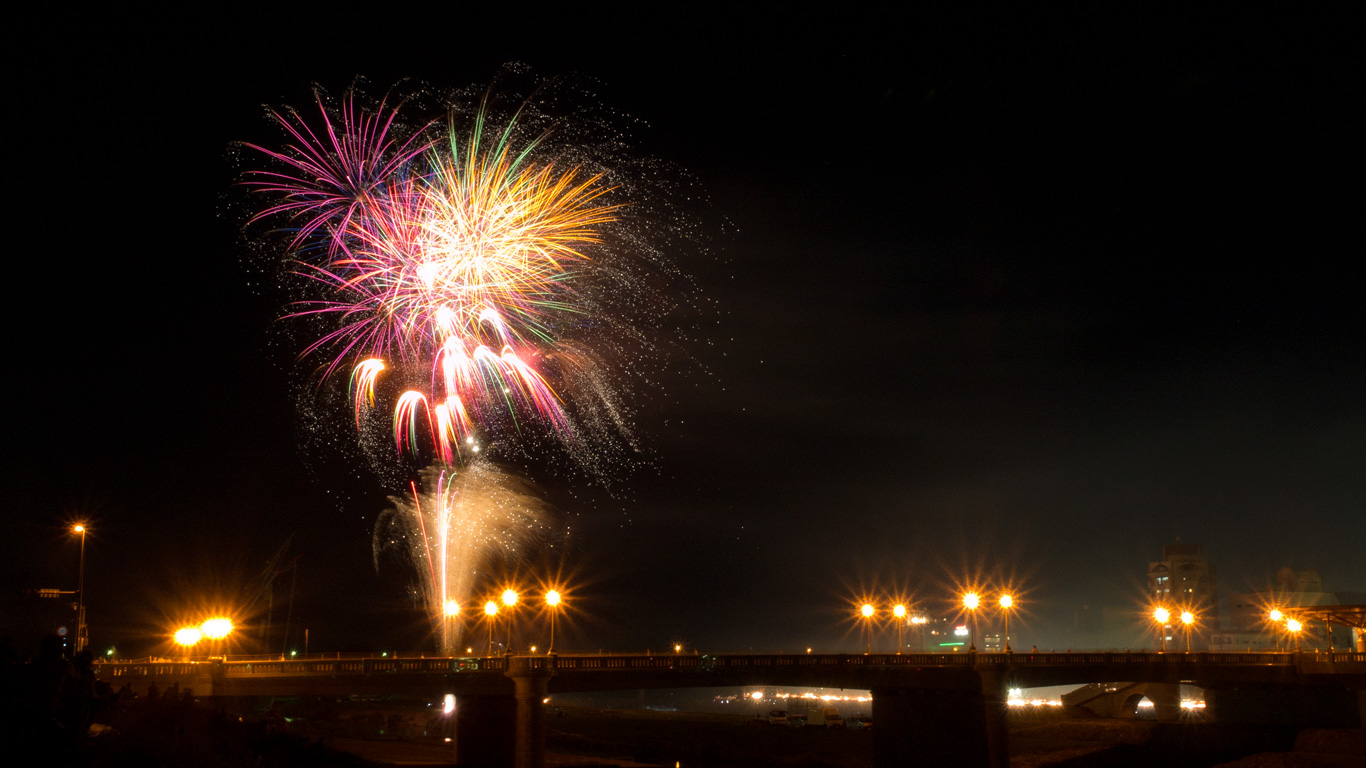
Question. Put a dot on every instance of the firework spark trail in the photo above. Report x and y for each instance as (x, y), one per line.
(454, 526)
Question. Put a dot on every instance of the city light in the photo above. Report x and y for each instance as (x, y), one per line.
(868, 610)
(509, 597)
(452, 608)
(490, 608)
(900, 613)
(1188, 618)
(188, 636)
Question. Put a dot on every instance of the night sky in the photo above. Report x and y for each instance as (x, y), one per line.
(1017, 298)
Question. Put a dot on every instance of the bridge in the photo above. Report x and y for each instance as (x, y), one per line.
(931, 708)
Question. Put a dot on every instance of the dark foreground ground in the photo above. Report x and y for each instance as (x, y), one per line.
(363, 734)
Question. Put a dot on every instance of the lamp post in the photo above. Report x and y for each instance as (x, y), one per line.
(970, 602)
(899, 611)
(1006, 602)
(1276, 617)
(552, 599)
(1188, 618)
(867, 610)
(448, 613)
(1161, 615)
(490, 613)
(187, 637)
(82, 634)
(216, 629)
(509, 600)
(1294, 626)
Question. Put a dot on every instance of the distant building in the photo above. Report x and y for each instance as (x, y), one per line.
(1250, 627)
(1183, 578)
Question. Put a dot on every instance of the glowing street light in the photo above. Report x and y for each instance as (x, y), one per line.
(868, 610)
(899, 611)
(509, 600)
(82, 632)
(1188, 618)
(1006, 602)
(1161, 615)
(449, 611)
(970, 601)
(552, 600)
(188, 636)
(490, 613)
(216, 628)
(1294, 626)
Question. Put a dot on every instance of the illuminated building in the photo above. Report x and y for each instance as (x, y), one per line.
(1182, 577)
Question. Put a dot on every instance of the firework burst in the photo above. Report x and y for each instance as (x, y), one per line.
(457, 258)
(485, 282)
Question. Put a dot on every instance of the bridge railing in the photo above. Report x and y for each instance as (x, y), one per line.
(1321, 661)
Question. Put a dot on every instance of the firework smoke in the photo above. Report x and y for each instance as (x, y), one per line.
(453, 527)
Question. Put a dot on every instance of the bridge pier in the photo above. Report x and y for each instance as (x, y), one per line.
(1166, 699)
(957, 717)
(532, 680)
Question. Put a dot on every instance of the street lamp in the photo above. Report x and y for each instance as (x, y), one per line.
(509, 600)
(216, 628)
(1006, 602)
(1276, 617)
(1188, 619)
(1294, 626)
(552, 599)
(82, 634)
(900, 613)
(970, 602)
(867, 610)
(448, 613)
(1162, 615)
(491, 613)
(187, 637)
